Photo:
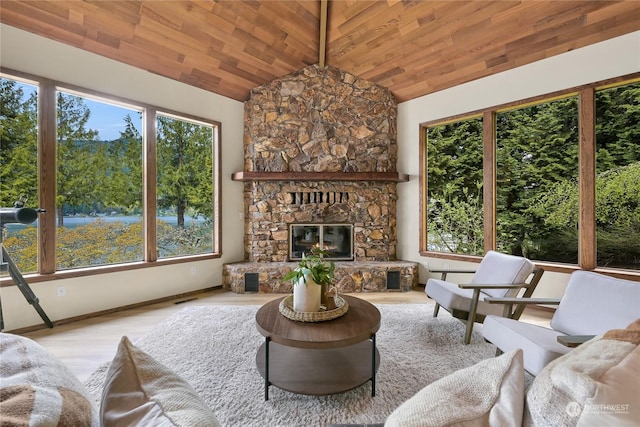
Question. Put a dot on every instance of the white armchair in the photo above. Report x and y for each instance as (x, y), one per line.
(498, 275)
(592, 304)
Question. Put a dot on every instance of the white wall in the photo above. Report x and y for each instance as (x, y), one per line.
(36, 55)
(612, 58)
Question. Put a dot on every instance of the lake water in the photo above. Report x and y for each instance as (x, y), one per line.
(75, 221)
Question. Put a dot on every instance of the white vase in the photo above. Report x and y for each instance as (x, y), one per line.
(306, 295)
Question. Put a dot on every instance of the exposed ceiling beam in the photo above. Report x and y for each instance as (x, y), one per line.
(323, 33)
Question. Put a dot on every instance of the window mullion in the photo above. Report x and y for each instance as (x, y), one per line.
(489, 179)
(47, 124)
(423, 188)
(587, 158)
(149, 179)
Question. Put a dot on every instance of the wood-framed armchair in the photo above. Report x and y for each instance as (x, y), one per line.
(592, 304)
(498, 275)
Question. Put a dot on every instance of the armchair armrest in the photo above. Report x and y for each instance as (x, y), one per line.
(516, 300)
(452, 271)
(521, 302)
(443, 273)
(493, 286)
(572, 341)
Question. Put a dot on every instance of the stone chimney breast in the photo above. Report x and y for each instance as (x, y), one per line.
(320, 121)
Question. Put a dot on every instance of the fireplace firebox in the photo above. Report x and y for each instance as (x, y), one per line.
(335, 239)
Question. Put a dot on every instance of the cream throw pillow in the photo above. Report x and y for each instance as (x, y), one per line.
(490, 392)
(140, 391)
(596, 384)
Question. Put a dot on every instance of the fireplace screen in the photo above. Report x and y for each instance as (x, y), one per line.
(335, 239)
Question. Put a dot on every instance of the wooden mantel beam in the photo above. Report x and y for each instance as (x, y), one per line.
(320, 176)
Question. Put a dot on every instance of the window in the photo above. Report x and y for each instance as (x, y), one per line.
(536, 164)
(184, 187)
(117, 195)
(618, 176)
(99, 183)
(454, 187)
(18, 168)
(542, 197)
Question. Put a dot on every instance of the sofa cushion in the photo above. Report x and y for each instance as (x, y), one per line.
(139, 390)
(490, 392)
(36, 389)
(595, 384)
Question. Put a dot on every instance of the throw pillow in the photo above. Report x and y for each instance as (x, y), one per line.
(595, 384)
(139, 390)
(36, 389)
(490, 392)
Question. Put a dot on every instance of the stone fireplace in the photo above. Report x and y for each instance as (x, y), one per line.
(320, 148)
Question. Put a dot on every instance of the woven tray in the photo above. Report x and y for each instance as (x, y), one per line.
(286, 308)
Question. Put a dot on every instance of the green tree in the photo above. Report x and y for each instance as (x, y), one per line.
(185, 165)
(617, 126)
(18, 144)
(79, 159)
(123, 185)
(537, 147)
(454, 187)
(617, 217)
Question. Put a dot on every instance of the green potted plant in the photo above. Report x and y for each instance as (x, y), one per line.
(313, 275)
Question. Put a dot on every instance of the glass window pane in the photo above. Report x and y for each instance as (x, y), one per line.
(184, 187)
(618, 177)
(454, 188)
(99, 183)
(536, 181)
(19, 168)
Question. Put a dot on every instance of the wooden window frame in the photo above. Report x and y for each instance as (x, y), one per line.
(47, 123)
(587, 177)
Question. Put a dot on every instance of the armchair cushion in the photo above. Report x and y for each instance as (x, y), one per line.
(450, 296)
(588, 291)
(540, 344)
(498, 268)
(488, 393)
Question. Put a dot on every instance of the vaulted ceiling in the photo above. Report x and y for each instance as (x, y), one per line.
(411, 47)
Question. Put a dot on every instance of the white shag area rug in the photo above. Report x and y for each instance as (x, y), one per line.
(214, 349)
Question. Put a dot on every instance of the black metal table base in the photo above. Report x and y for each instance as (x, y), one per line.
(266, 371)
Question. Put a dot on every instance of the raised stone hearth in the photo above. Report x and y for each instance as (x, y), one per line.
(320, 147)
(366, 276)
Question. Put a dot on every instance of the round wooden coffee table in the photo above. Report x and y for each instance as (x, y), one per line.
(319, 358)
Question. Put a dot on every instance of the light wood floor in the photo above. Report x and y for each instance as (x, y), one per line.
(86, 344)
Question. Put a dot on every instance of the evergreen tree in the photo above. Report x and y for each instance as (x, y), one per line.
(79, 159)
(184, 168)
(18, 144)
(123, 187)
(454, 183)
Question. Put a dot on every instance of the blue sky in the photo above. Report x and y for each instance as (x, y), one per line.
(108, 119)
(105, 118)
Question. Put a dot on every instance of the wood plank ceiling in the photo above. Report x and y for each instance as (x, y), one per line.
(411, 47)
